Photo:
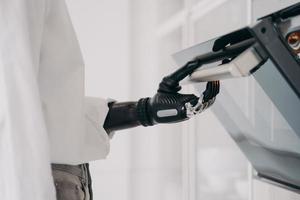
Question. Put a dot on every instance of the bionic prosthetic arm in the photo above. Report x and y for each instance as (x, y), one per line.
(166, 106)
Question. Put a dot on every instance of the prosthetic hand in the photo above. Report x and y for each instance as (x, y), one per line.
(174, 107)
(166, 106)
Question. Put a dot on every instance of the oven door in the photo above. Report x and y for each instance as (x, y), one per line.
(268, 133)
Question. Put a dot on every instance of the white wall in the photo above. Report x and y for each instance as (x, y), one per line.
(103, 29)
(103, 32)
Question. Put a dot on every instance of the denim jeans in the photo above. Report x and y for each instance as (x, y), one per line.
(72, 182)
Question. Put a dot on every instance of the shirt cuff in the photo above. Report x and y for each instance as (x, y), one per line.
(96, 112)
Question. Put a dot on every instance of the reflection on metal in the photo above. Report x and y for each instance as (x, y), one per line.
(167, 113)
(272, 147)
(277, 182)
(294, 41)
(279, 159)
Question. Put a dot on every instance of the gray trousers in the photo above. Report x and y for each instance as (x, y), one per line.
(72, 182)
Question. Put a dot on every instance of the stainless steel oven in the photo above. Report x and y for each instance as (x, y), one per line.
(271, 144)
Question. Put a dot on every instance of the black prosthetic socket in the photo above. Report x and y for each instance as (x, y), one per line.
(121, 116)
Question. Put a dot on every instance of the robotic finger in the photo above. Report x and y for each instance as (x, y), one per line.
(205, 100)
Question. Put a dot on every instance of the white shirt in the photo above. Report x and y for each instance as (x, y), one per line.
(44, 115)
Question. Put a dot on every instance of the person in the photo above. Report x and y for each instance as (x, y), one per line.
(47, 117)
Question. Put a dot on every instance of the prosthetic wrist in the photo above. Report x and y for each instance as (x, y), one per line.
(164, 107)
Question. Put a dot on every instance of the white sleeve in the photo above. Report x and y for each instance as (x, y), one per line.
(24, 150)
(96, 110)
